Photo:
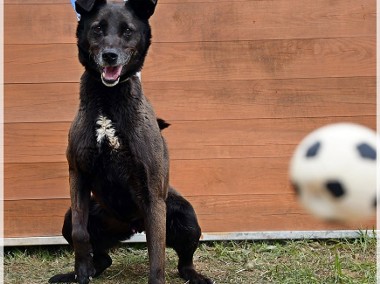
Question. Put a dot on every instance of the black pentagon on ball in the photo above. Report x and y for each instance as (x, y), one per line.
(312, 151)
(296, 188)
(335, 188)
(366, 151)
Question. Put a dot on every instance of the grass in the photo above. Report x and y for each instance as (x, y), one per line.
(342, 261)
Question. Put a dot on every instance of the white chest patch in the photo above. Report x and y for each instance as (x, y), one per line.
(106, 131)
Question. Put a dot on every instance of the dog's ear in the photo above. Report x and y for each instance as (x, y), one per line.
(143, 8)
(86, 6)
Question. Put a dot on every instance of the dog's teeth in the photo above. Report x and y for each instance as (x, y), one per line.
(108, 84)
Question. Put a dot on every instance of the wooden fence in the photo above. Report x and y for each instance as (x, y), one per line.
(241, 82)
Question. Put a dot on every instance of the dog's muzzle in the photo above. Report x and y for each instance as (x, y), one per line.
(112, 63)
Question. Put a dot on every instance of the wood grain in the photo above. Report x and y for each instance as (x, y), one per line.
(41, 63)
(28, 218)
(268, 59)
(34, 142)
(190, 177)
(48, 23)
(209, 100)
(248, 60)
(40, 102)
(33, 2)
(255, 212)
(189, 21)
(36, 181)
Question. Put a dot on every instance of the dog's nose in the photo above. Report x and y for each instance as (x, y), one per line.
(110, 57)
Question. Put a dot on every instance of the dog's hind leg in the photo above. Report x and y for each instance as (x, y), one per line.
(182, 234)
(105, 232)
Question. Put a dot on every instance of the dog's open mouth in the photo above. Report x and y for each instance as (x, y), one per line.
(111, 75)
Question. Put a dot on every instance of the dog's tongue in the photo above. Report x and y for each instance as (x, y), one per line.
(112, 73)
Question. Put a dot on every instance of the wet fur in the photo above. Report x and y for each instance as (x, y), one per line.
(119, 189)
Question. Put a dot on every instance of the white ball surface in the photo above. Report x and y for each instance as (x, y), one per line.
(333, 170)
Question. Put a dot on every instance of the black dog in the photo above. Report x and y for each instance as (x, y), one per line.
(118, 160)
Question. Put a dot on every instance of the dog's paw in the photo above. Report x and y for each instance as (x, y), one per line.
(193, 277)
(84, 270)
(63, 278)
(200, 279)
(85, 274)
(83, 279)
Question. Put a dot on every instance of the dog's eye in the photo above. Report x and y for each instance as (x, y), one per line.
(127, 32)
(97, 30)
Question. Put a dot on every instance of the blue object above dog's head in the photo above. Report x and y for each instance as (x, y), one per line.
(143, 8)
(73, 4)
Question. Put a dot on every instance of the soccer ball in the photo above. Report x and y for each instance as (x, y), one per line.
(333, 171)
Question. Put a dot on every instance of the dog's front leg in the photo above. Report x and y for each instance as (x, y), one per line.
(155, 226)
(80, 200)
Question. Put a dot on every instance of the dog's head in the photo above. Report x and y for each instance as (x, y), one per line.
(113, 38)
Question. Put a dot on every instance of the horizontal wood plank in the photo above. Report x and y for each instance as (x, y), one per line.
(36, 181)
(256, 20)
(41, 63)
(190, 177)
(33, 2)
(40, 102)
(255, 212)
(48, 23)
(35, 142)
(52, 2)
(190, 21)
(28, 218)
(248, 60)
(267, 59)
(208, 100)
(260, 212)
